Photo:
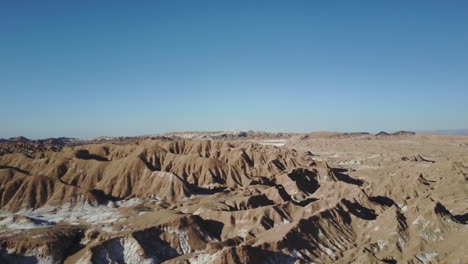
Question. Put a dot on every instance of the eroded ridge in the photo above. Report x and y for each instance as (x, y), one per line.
(205, 201)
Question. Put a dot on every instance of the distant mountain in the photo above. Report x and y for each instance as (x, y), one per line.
(18, 139)
(228, 135)
(382, 133)
(398, 133)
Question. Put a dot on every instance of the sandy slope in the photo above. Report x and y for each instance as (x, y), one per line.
(322, 198)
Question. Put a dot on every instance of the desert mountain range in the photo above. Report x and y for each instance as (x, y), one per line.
(235, 197)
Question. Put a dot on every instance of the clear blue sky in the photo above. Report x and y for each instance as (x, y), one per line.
(92, 68)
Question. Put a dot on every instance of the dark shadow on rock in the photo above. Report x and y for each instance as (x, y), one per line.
(382, 200)
(85, 155)
(287, 198)
(425, 160)
(279, 165)
(442, 211)
(261, 180)
(282, 192)
(424, 181)
(346, 178)
(150, 166)
(231, 242)
(360, 211)
(102, 197)
(389, 261)
(155, 247)
(213, 226)
(462, 218)
(259, 201)
(340, 170)
(267, 222)
(110, 248)
(7, 258)
(15, 168)
(305, 180)
(75, 245)
(305, 202)
(205, 191)
(42, 222)
(247, 159)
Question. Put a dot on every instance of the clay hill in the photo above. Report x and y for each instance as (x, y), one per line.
(236, 198)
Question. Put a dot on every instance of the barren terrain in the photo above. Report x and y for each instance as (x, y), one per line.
(235, 197)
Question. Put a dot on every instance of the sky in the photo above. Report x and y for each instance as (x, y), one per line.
(122, 68)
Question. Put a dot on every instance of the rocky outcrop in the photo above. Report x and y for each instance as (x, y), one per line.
(204, 201)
